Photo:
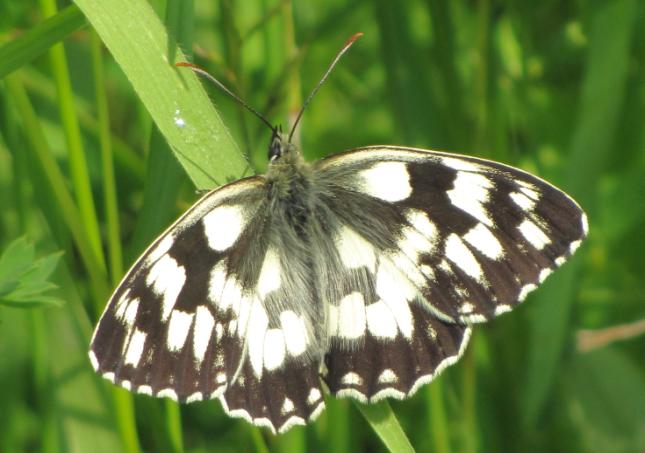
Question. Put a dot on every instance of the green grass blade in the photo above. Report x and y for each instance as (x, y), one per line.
(174, 97)
(386, 426)
(76, 152)
(115, 254)
(39, 39)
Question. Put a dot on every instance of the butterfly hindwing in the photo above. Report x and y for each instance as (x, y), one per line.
(378, 367)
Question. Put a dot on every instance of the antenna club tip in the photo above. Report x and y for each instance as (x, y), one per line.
(185, 64)
(353, 38)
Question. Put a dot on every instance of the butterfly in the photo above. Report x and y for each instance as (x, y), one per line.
(359, 275)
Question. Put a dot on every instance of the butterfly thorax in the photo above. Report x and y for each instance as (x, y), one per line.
(289, 179)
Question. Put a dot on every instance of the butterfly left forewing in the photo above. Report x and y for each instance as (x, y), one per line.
(170, 329)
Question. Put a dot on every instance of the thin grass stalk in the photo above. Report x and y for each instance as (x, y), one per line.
(438, 425)
(77, 159)
(115, 253)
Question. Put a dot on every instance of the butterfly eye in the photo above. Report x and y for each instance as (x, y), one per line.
(275, 148)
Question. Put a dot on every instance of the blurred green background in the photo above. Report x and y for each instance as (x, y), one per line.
(87, 169)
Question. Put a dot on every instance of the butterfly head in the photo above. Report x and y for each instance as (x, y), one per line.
(281, 150)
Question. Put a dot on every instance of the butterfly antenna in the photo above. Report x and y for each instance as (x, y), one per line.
(202, 72)
(342, 51)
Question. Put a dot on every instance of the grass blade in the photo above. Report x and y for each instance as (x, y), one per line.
(175, 99)
(386, 426)
(76, 152)
(39, 39)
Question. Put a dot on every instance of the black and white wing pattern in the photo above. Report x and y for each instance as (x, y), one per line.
(366, 269)
(443, 241)
(190, 320)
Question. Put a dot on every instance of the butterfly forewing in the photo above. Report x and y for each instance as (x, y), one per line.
(166, 330)
(473, 237)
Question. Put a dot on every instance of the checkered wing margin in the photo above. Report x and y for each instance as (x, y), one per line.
(443, 241)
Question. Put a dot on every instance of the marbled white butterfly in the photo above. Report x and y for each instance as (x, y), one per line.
(360, 274)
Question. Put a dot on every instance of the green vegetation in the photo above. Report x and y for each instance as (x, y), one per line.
(93, 165)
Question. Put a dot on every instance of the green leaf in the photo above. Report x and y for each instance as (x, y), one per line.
(39, 39)
(174, 97)
(23, 279)
(386, 426)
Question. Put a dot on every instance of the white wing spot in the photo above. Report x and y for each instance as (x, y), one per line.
(460, 164)
(122, 304)
(387, 377)
(109, 376)
(167, 393)
(295, 333)
(220, 378)
(216, 282)
(258, 322)
(389, 181)
(500, 309)
(351, 316)
(534, 234)
(526, 289)
(396, 291)
(126, 385)
(412, 243)
(521, 200)
(194, 397)
(204, 323)
(274, 349)
(269, 279)
(428, 271)
(178, 329)
(482, 239)
(466, 308)
(420, 221)
(135, 348)
(544, 273)
(287, 406)
(380, 320)
(351, 378)
(160, 249)
(574, 246)
(222, 226)
(130, 314)
(166, 278)
(559, 261)
(529, 190)
(314, 395)
(458, 253)
(469, 193)
(144, 390)
(354, 250)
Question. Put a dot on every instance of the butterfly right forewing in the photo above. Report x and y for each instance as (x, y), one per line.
(473, 236)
